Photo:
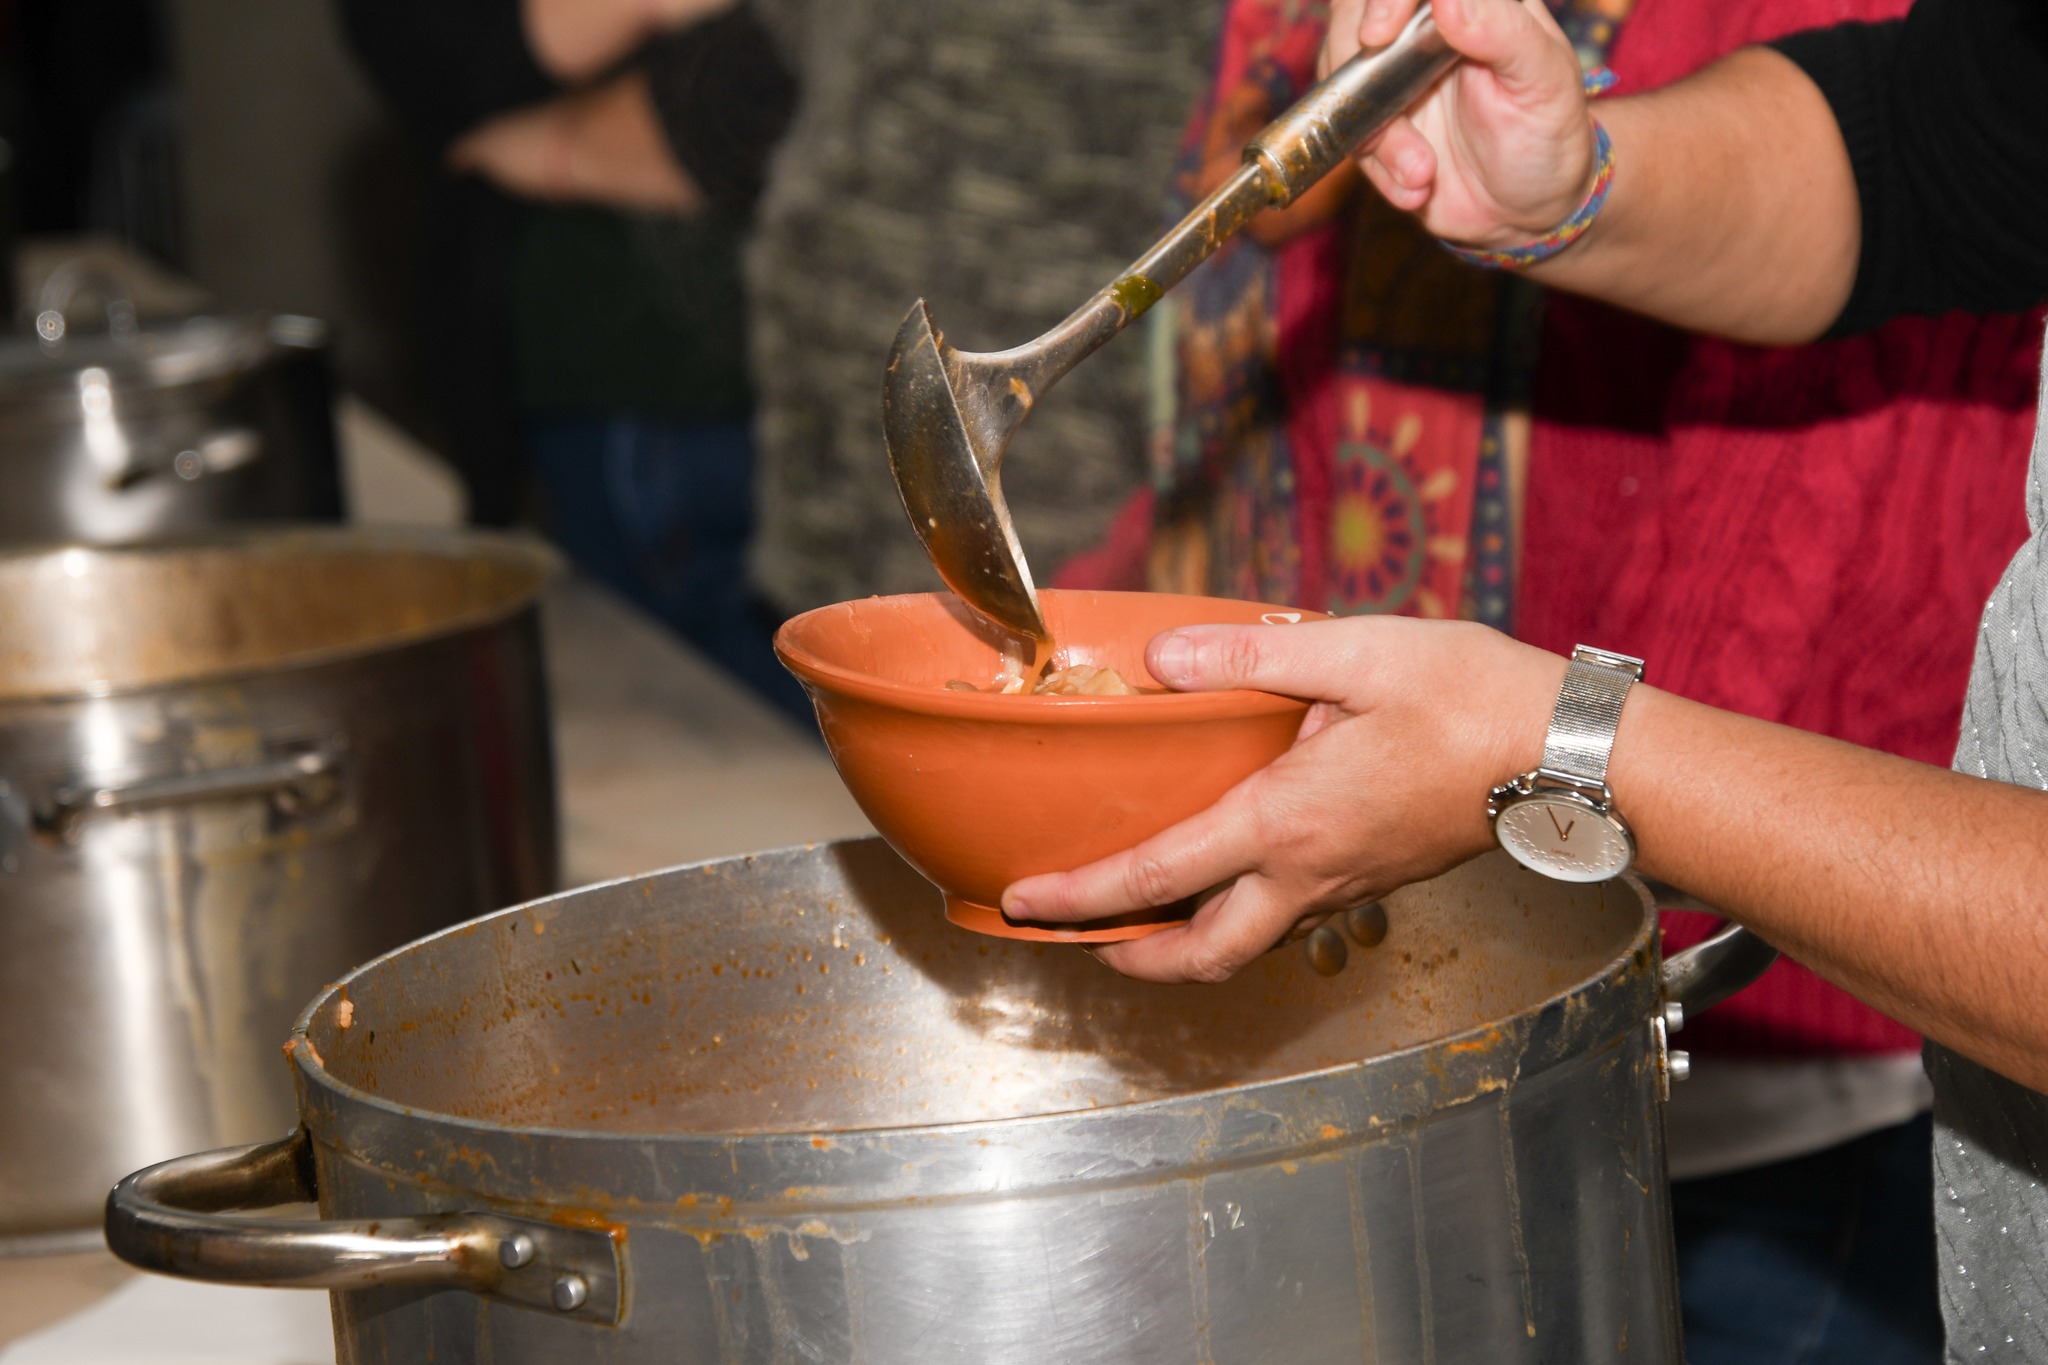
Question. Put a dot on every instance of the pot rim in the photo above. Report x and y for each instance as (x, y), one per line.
(1466, 1065)
(916, 699)
(512, 548)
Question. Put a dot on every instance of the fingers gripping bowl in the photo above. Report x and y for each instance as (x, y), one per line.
(976, 789)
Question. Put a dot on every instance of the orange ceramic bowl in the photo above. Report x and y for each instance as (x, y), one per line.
(976, 789)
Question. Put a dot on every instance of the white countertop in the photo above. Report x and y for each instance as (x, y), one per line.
(663, 759)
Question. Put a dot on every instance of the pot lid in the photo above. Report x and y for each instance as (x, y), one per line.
(151, 354)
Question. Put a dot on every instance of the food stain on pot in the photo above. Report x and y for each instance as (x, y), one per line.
(590, 1220)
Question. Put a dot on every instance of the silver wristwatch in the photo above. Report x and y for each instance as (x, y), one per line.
(1560, 819)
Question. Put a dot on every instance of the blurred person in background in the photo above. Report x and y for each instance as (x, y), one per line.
(586, 314)
(1001, 160)
(1358, 422)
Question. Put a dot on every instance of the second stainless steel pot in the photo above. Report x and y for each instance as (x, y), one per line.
(776, 1109)
(229, 770)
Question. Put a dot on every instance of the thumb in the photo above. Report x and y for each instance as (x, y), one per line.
(1308, 660)
(1506, 38)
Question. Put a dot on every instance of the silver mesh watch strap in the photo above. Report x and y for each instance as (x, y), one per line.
(1588, 710)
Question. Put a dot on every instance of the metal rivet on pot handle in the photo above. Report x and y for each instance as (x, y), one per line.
(570, 1293)
(172, 1219)
(1699, 978)
(1326, 951)
(1367, 924)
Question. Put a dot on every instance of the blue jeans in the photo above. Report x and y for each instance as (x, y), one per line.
(660, 509)
(1825, 1259)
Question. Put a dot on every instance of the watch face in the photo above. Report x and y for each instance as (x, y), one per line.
(1565, 836)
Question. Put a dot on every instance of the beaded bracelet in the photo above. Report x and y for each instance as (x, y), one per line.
(1598, 81)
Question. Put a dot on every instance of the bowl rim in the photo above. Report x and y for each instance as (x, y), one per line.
(1159, 707)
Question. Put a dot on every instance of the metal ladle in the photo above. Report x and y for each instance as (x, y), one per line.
(947, 415)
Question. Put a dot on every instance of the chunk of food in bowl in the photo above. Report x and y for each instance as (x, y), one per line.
(1079, 680)
(1084, 680)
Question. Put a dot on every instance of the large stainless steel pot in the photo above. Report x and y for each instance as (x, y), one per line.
(229, 770)
(149, 430)
(776, 1109)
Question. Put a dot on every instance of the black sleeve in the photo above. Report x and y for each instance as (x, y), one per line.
(446, 65)
(725, 97)
(1945, 114)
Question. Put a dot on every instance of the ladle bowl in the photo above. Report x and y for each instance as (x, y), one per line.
(978, 789)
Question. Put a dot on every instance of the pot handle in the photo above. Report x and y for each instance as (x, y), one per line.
(1707, 973)
(170, 1219)
(60, 290)
(308, 779)
(218, 452)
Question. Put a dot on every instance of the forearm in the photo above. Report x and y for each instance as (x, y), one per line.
(602, 146)
(575, 40)
(1917, 889)
(1920, 890)
(618, 155)
(1734, 209)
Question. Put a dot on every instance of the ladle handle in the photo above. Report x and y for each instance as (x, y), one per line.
(1348, 107)
(1294, 151)
(1290, 154)
(172, 1219)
